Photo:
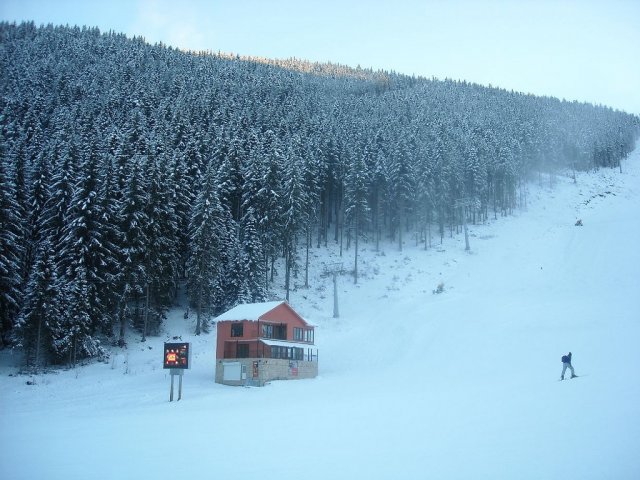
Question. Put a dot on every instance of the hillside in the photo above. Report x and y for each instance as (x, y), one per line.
(458, 385)
(129, 171)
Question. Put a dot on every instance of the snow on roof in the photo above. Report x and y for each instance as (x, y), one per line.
(248, 311)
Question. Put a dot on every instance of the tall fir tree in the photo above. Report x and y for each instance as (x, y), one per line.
(11, 253)
(252, 266)
(41, 308)
(207, 238)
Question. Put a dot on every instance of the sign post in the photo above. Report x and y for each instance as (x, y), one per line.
(177, 358)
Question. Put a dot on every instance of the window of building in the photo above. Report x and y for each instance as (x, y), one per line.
(287, 353)
(236, 329)
(298, 333)
(308, 336)
(267, 331)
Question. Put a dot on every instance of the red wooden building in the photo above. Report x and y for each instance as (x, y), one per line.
(260, 342)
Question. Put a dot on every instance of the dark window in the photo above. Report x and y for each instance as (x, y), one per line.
(236, 330)
(280, 332)
(243, 350)
(297, 334)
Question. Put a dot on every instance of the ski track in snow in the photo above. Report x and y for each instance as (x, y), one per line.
(456, 385)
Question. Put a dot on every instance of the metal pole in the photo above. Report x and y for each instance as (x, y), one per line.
(180, 386)
(171, 394)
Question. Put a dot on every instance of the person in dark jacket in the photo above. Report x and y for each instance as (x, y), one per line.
(566, 363)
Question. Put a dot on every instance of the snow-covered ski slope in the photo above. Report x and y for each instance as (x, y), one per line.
(457, 385)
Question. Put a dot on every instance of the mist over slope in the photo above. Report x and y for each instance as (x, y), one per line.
(462, 384)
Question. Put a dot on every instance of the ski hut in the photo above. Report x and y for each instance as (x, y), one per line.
(261, 342)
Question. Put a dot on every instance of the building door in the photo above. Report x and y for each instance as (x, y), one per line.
(232, 371)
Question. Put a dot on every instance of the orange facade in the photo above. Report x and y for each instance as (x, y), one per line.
(276, 332)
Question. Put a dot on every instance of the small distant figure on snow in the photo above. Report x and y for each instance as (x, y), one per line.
(566, 363)
(579, 222)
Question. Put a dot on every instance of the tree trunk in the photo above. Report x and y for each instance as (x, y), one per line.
(400, 222)
(287, 268)
(123, 325)
(341, 221)
(38, 340)
(321, 224)
(146, 314)
(338, 208)
(466, 231)
(198, 312)
(273, 270)
(306, 265)
(355, 268)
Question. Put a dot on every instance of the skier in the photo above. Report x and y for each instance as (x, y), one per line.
(566, 363)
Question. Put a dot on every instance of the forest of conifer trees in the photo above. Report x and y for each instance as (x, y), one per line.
(129, 171)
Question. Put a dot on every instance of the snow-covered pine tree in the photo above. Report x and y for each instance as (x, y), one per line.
(402, 186)
(231, 156)
(293, 211)
(161, 252)
(183, 200)
(314, 173)
(265, 198)
(134, 226)
(82, 263)
(11, 252)
(230, 258)
(39, 196)
(40, 309)
(441, 192)
(356, 187)
(207, 238)
(252, 266)
(19, 169)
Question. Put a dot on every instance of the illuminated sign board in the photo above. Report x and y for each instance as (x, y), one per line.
(176, 355)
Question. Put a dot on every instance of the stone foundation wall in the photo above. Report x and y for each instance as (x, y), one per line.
(268, 369)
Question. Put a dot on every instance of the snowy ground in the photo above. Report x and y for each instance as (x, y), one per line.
(459, 385)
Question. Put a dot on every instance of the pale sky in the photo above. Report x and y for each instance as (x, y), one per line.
(586, 50)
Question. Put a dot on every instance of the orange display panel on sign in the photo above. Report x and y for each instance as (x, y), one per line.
(176, 355)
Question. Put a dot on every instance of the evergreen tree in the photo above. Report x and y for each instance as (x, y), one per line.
(11, 253)
(356, 194)
(82, 262)
(207, 238)
(40, 310)
(293, 210)
(160, 254)
(134, 225)
(253, 288)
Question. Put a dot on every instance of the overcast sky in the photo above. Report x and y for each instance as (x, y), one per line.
(587, 50)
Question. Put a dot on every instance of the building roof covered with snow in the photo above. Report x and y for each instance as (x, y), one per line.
(248, 311)
(254, 312)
